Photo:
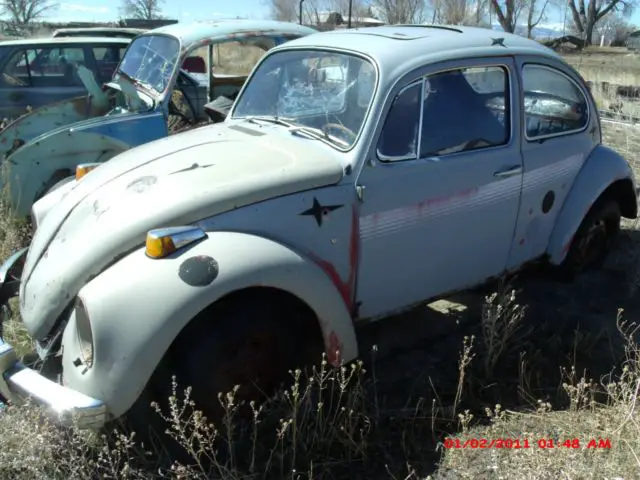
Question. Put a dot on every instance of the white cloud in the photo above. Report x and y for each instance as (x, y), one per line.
(77, 7)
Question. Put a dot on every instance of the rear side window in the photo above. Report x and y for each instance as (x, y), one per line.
(553, 103)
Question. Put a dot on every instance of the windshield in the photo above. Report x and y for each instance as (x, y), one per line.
(151, 60)
(325, 94)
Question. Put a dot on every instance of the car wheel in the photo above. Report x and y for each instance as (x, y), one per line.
(253, 343)
(58, 179)
(593, 239)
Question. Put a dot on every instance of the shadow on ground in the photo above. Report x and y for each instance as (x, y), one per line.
(416, 367)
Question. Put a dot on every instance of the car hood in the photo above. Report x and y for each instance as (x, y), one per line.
(173, 181)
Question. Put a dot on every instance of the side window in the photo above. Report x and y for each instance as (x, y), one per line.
(553, 103)
(238, 57)
(45, 67)
(465, 109)
(16, 72)
(399, 137)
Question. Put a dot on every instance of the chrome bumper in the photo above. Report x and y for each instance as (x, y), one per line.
(63, 405)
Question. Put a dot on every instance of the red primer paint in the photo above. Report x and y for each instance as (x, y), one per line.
(346, 288)
(431, 202)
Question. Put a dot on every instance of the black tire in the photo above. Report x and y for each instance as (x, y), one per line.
(593, 239)
(59, 178)
(62, 182)
(251, 342)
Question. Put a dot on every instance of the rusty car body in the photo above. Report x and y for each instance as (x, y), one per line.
(359, 173)
(161, 79)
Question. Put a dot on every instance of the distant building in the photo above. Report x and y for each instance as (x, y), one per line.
(330, 20)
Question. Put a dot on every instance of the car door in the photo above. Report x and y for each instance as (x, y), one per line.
(557, 138)
(37, 75)
(441, 193)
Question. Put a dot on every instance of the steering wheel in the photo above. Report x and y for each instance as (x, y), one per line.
(340, 127)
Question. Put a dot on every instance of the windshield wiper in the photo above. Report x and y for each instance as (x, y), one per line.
(268, 118)
(318, 134)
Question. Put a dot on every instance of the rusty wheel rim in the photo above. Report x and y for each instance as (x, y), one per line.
(593, 243)
(255, 364)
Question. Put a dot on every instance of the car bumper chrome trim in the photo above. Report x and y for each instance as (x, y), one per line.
(65, 406)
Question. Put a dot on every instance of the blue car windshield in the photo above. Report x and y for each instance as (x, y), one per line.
(151, 60)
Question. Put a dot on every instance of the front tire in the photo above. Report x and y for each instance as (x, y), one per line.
(593, 240)
(251, 341)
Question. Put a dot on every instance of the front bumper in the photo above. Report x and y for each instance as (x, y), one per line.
(19, 383)
(64, 406)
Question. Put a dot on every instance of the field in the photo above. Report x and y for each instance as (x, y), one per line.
(533, 360)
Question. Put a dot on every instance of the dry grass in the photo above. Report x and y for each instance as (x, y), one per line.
(517, 368)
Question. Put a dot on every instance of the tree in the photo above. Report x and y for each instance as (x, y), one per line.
(535, 14)
(24, 12)
(400, 11)
(143, 9)
(508, 13)
(586, 16)
(459, 12)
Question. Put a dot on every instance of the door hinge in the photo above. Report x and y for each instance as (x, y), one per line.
(360, 192)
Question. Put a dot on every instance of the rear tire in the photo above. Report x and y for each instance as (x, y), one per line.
(593, 240)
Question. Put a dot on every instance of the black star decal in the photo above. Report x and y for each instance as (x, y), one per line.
(319, 211)
(192, 167)
(498, 41)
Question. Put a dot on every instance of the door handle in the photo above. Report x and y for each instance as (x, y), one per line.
(508, 171)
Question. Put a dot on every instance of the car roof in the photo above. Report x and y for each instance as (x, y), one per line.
(98, 31)
(393, 46)
(67, 40)
(191, 33)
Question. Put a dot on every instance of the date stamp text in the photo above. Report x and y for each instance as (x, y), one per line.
(522, 443)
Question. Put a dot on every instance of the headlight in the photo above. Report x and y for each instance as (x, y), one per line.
(84, 168)
(84, 333)
(162, 242)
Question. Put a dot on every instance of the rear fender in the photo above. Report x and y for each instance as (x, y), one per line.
(138, 306)
(602, 169)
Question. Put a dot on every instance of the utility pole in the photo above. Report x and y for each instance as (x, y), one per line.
(350, 8)
(300, 11)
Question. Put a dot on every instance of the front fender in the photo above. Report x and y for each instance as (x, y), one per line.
(29, 169)
(602, 168)
(138, 306)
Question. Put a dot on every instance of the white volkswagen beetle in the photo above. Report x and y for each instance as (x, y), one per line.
(359, 172)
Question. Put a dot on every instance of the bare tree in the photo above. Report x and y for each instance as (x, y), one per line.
(289, 10)
(24, 12)
(587, 15)
(508, 13)
(400, 11)
(143, 9)
(535, 14)
(284, 10)
(460, 12)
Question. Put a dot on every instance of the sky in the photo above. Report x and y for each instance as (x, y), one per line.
(192, 10)
(184, 10)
